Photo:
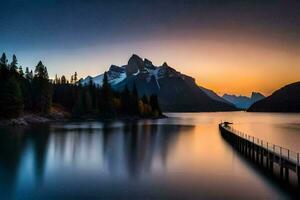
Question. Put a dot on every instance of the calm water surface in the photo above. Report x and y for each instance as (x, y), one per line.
(182, 156)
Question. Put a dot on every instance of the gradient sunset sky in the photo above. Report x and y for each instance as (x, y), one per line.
(228, 46)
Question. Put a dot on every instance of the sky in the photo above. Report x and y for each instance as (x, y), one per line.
(229, 46)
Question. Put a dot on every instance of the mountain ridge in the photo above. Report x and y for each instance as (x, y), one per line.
(176, 92)
(243, 102)
(285, 99)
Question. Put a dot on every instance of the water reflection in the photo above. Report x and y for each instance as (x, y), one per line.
(179, 157)
(11, 148)
(127, 150)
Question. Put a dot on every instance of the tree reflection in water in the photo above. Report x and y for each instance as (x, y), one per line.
(127, 150)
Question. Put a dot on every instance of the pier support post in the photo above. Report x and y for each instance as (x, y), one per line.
(267, 157)
(252, 150)
(242, 145)
(262, 153)
(298, 175)
(271, 165)
(281, 171)
(247, 148)
(256, 154)
(297, 170)
(286, 173)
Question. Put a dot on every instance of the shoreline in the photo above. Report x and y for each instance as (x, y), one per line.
(31, 119)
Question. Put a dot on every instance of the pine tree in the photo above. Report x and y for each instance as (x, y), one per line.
(125, 100)
(75, 77)
(41, 71)
(106, 105)
(155, 105)
(42, 89)
(28, 75)
(3, 59)
(21, 71)
(31, 75)
(4, 72)
(92, 90)
(56, 81)
(105, 85)
(87, 101)
(63, 80)
(13, 65)
(78, 109)
(11, 103)
(134, 100)
(26, 88)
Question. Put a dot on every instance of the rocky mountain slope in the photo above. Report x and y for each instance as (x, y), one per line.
(286, 99)
(176, 92)
(243, 102)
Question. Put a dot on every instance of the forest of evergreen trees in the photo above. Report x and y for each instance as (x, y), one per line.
(33, 92)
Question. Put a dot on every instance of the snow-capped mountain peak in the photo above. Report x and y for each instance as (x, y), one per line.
(175, 91)
(136, 66)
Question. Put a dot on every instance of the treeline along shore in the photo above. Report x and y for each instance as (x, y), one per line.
(31, 93)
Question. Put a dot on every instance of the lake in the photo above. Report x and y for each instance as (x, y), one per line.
(183, 156)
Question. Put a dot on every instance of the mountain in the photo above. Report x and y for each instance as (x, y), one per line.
(214, 95)
(286, 99)
(176, 92)
(243, 102)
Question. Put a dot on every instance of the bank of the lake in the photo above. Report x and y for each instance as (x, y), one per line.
(33, 118)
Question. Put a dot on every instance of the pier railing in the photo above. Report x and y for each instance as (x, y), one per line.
(282, 152)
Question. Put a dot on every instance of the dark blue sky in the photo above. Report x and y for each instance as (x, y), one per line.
(58, 23)
(108, 31)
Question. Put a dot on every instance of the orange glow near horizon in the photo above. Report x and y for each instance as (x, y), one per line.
(225, 64)
(233, 66)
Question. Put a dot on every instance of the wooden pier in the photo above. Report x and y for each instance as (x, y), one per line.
(261, 152)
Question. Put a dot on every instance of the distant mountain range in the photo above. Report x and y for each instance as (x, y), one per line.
(243, 102)
(286, 99)
(176, 92)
